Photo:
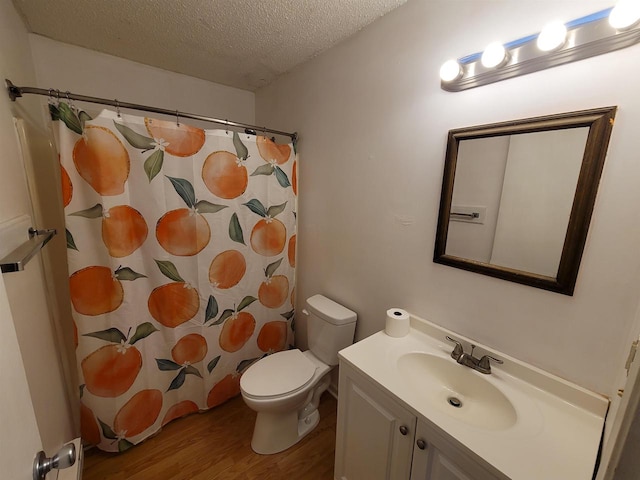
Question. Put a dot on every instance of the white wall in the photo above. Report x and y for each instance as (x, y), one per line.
(373, 123)
(79, 70)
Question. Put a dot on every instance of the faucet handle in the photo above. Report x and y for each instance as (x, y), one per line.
(457, 350)
(484, 366)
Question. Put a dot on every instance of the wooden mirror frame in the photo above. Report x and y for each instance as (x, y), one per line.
(600, 122)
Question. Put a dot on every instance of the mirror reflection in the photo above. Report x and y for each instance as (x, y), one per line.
(512, 198)
(517, 197)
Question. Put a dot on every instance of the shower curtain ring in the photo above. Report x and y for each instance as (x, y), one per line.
(177, 118)
(50, 101)
(70, 102)
(118, 108)
(226, 130)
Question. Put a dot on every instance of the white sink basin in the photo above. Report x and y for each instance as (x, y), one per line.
(457, 391)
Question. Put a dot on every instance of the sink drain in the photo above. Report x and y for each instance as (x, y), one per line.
(454, 402)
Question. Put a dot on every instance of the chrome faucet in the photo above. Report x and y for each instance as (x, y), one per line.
(468, 360)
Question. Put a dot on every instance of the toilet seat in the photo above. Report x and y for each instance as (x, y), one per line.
(278, 374)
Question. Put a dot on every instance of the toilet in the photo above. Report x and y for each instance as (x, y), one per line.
(285, 388)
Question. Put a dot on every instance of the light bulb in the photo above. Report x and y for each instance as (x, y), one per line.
(494, 55)
(625, 14)
(552, 36)
(450, 71)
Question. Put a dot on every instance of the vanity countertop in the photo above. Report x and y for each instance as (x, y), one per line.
(550, 430)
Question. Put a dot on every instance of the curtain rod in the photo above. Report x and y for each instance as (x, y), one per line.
(15, 92)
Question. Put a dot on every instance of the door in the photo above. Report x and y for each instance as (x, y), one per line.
(374, 433)
(20, 440)
(34, 412)
(619, 457)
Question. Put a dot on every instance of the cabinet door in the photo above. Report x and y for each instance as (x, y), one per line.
(374, 433)
(436, 458)
(432, 464)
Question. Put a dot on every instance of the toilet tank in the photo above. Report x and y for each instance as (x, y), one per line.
(330, 328)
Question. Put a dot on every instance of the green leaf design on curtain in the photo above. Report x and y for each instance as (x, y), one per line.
(84, 117)
(288, 315)
(125, 273)
(212, 364)
(169, 270)
(124, 445)
(135, 139)
(184, 188)
(246, 301)
(191, 370)
(70, 241)
(178, 381)
(94, 212)
(143, 331)
(283, 180)
(207, 207)
(235, 230)
(69, 118)
(266, 169)
(271, 268)
(112, 335)
(256, 207)
(276, 210)
(153, 164)
(212, 309)
(167, 365)
(244, 364)
(226, 314)
(241, 150)
(54, 112)
(107, 431)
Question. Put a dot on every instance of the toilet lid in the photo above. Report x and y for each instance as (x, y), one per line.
(277, 374)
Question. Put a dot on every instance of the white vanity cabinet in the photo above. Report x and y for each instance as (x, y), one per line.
(380, 439)
(374, 433)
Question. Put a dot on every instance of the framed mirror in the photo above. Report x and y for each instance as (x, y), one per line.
(517, 197)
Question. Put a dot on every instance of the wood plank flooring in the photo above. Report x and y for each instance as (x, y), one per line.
(216, 445)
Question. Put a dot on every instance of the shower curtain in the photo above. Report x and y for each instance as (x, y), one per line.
(181, 252)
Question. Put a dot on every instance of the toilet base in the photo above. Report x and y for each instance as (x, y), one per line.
(276, 432)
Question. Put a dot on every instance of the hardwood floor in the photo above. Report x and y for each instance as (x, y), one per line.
(216, 445)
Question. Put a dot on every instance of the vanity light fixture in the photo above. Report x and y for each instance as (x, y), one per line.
(450, 70)
(552, 37)
(495, 55)
(625, 14)
(558, 43)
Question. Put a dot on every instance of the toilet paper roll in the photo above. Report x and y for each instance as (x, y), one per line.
(397, 324)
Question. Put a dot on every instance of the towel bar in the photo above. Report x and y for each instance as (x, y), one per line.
(18, 258)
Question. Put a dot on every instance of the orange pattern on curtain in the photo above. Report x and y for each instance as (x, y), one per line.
(181, 248)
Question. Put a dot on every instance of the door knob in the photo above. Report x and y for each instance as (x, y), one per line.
(404, 430)
(421, 444)
(65, 458)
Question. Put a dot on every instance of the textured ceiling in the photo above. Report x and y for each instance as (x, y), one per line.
(240, 43)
